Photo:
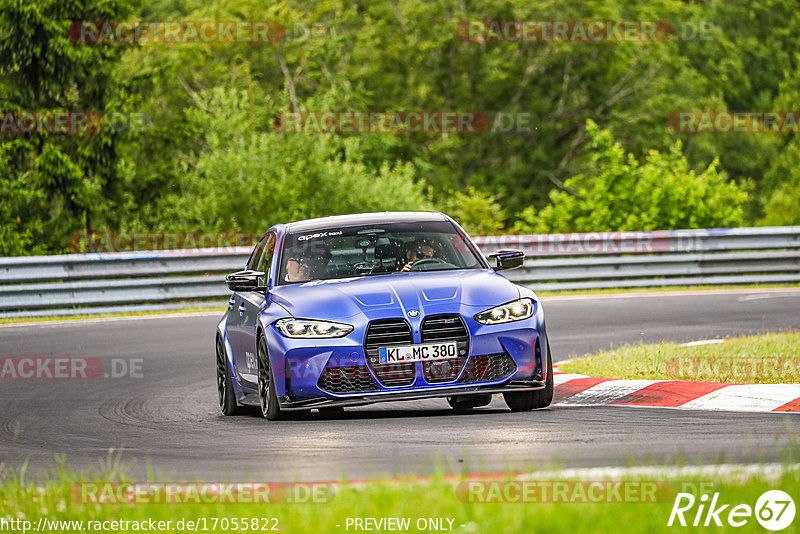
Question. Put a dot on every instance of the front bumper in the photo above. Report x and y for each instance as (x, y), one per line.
(354, 400)
(301, 367)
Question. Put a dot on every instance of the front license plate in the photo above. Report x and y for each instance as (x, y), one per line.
(418, 353)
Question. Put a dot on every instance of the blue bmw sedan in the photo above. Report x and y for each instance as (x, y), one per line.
(355, 309)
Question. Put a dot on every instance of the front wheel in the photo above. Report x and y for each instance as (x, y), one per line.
(270, 409)
(227, 397)
(521, 401)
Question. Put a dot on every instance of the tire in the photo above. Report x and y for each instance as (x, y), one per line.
(465, 403)
(544, 397)
(522, 401)
(227, 398)
(268, 399)
(519, 401)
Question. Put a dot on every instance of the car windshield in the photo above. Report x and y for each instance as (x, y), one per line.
(375, 249)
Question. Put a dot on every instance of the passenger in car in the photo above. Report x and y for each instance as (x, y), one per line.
(297, 270)
(307, 264)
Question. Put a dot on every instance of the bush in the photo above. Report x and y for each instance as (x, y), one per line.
(782, 207)
(20, 223)
(246, 178)
(477, 212)
(624, 194)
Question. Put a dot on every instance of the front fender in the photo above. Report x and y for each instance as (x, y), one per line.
(222, 332)
(268, 316)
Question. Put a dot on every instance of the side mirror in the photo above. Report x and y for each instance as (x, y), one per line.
(507, 259)
(245, 281)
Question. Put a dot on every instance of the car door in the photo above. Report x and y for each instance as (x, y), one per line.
(237, 335)
(250, 307)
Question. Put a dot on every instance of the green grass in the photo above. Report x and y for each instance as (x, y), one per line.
(439, 498)
(662, 289)
(188, 309)
(763, 359)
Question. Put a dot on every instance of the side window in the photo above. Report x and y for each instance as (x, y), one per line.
(256, 255)
(266, 256)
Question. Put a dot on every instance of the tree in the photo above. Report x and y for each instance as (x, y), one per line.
(243, 178)
(620, 193)
(782, 206)
(71, 182)
(477, 212)
(384, 56)
(17, 232)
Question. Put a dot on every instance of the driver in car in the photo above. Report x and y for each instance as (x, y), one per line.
(307, 264)
(415, 251)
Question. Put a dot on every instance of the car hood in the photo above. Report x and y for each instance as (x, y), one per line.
(393, 295)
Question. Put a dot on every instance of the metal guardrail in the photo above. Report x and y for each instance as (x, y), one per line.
(128, 281)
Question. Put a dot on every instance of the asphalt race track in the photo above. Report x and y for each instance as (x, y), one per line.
(168, 417)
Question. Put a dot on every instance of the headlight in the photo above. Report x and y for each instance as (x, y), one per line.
(298, 328)
(513, 311)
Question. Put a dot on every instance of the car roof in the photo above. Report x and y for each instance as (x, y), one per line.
(333, 221)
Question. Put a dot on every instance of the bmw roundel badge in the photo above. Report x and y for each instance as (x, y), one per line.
(413, 313)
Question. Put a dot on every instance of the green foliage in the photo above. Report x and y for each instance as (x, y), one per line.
(57, 184)
(17, 232)
(782, 207)
(477, 212)
(200, 166)
(781, 190)
(246, 179)
(620, 193)
(640, 499)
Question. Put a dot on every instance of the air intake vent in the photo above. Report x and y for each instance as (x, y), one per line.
(445, 328)
(488, 368)
(348, 379)
(385, 333)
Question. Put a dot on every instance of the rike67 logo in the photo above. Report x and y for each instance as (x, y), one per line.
(774, 510)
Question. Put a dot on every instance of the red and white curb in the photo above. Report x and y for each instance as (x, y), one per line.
(582, 390)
